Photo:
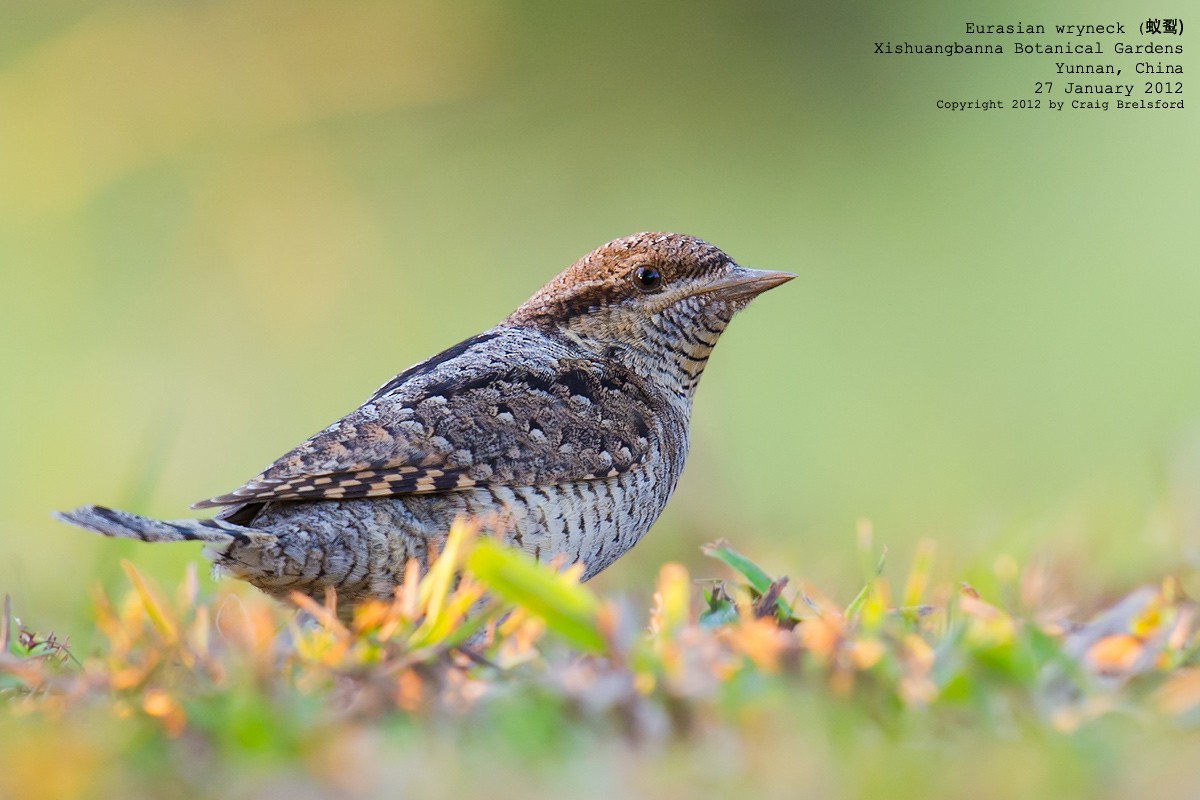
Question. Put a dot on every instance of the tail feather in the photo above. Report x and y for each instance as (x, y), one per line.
(124, 525)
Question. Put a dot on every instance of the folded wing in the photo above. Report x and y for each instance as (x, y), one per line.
(464, 425)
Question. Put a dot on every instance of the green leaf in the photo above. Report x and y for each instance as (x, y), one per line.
(721, 610)
(722, 551)
(755, 575)
(567, 608)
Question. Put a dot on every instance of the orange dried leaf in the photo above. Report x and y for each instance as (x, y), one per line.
(866, 653)
(369, 615)
(1181, 692)
(410, 689)
(410, 601)
(159, 616)
(917, 690)
(320, 613)
(1182, 632)
(820, 636)
(760, 640)
(972, 605)
(918, 655)
(157, 703)
(1115, 654)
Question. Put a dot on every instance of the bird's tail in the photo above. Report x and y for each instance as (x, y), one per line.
(124, 525)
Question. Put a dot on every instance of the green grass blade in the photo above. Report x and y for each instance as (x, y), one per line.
(722, 551)
(569, 609)
(755, 575)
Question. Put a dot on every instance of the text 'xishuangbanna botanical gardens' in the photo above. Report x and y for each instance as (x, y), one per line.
(1023, 48)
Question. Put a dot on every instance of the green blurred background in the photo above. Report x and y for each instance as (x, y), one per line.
(224, 223)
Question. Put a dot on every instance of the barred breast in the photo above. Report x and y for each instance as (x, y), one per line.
(360, 547)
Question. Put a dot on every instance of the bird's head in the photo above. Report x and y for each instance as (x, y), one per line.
(657, 301)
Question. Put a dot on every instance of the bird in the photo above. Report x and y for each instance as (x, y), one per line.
(566, 426)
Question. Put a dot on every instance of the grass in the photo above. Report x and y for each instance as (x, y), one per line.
(490, 674)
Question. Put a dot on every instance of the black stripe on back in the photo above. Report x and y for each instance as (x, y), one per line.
(432, 363)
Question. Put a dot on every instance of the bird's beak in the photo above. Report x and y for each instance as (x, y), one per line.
(744, 284)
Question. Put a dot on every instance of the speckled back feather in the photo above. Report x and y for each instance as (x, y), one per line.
(457, 421)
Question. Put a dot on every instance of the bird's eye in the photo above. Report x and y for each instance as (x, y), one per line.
(648, 279)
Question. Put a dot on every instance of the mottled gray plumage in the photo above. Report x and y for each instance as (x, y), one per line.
(565, 427)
